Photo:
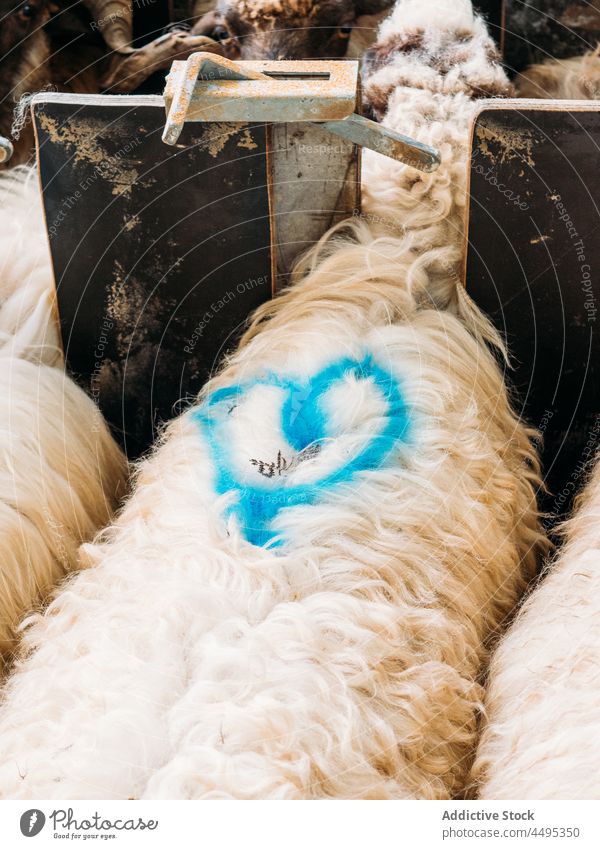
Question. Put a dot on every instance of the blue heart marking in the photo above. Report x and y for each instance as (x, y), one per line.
(304, 423)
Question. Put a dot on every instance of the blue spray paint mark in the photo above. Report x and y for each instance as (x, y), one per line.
(304, 423)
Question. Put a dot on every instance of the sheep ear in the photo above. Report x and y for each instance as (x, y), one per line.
(372, 7)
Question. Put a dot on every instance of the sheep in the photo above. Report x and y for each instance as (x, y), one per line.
(423, 77)
(27, 323)
(541, 736)
(294, 29)
(61, 472)
(87, 49)
(577, 78)
(297, 598)
(298, 640)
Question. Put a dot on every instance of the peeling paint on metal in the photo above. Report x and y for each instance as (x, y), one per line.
(84, 147)
(512, 144)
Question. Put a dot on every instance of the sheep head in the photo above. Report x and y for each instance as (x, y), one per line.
(285, 29)
(22, 40)
(24, 58)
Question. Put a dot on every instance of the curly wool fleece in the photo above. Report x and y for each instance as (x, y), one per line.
(541, 738)
(61, 472)
(186, 662)
(431, 64)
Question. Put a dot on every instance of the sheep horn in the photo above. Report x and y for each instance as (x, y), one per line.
(114, 19)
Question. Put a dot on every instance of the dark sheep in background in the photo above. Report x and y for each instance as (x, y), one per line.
(81, 47)
(285, 29)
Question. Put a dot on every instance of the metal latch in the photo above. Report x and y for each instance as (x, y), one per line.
(6, 150)
(207, 87)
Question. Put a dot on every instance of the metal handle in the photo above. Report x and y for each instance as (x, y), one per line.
(388, 142)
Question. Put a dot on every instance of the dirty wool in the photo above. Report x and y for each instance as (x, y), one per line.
(432, 62)
(540, 739)
(297, 599)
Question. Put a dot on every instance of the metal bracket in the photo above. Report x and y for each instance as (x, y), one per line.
(211, 88)
(6, 150)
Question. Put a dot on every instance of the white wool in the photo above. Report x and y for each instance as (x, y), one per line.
(61, 473)
(432, 60)
(185, 662)
(364, 34)
(540, 739)
(437, 16)
(28, 326)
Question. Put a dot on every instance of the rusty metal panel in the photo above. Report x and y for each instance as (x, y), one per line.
(159, 253)
(316, 183)
(533, 265)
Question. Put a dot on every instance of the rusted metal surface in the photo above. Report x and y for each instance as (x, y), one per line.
(383, 140)
(316, 183)
(532, 265)
(212, 88)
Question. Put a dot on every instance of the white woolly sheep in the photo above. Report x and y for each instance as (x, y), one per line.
(61, 473)
(298, 598)
(244, 630)
(541, 738)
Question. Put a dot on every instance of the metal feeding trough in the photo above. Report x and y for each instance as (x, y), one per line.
(161, 251)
